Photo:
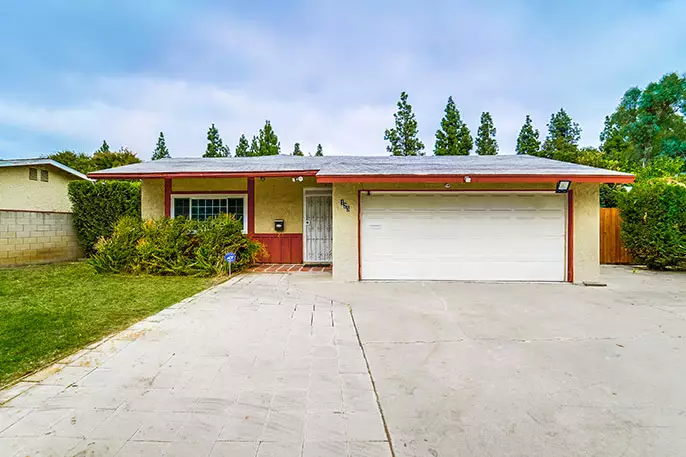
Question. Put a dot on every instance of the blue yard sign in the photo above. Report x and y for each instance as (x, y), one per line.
(230, 257)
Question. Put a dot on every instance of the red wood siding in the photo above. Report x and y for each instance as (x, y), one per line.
(281, 247)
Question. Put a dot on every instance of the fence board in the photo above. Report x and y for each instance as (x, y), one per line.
(611, 249)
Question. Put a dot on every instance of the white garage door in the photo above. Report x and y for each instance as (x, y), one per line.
(463, 236)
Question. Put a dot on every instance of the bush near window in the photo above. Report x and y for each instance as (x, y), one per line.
(176, 246)
(654, 222)
(96, 207)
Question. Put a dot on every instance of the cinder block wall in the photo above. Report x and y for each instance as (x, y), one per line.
(28, 237)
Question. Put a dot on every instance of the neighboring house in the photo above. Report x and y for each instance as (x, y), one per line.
(35, 212)
(409, 218)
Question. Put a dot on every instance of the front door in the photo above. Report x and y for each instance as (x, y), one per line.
(318, 231)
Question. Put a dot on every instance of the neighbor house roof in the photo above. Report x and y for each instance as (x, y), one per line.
(39, 162)
(329, 169)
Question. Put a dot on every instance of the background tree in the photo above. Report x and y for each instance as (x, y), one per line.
(527, 141)
(108, 159)
(404, 138)
(243, 147)
(296, 150)
(104, 147)
(161, 151)
(268, 142)
(453, 138)
(254, 147)
(320, 151)
(215, 145)
(563, 138)
(486, 144)
(78, 161)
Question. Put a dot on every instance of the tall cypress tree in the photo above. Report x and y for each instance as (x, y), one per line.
(320, 151)
(527, 141)
(486, 144)
(243, 147)
(103, 148)
(453, 138)
(254, 147)
(297, 151)
(268, 142)
(563, 137)
(161, 151)
(215, 145)
(404, 139)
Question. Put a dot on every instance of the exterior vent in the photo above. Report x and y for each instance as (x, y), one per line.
(33, 174)
(44, 175)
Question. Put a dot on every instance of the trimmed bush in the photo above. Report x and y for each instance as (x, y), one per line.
(98, 206)
(654, 222)
(175, 247)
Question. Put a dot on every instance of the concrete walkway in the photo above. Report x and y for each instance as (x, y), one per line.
(253, 367)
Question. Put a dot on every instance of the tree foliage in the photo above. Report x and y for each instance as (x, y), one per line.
(267, 142)
(215, 144)
(527, 141)
(161, 151)
(453, 138)
(404, 139)
(243, 147)
(563, 137)
(320, 151)
(102, 158)
(254, 147)
(297, 151)
(104, 147)
(486, 144)
(78, 161)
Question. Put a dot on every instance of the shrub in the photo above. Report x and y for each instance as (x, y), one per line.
(654, 222)
(175, 247)
(96, 207)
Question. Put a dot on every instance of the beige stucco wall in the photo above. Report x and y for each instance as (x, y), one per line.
(586, 232)
(18, 192)
(152, 198)
(209, 184)
(31, 237)
(345, 224)
(280, 198)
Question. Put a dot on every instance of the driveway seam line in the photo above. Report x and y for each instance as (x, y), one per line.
(371, 377)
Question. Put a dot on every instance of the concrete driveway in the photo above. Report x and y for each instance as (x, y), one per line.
(467, 369)
(271, 365)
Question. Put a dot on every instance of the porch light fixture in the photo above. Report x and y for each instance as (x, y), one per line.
(447, 185)
(562, 187)
(467, 179)
(299, 179)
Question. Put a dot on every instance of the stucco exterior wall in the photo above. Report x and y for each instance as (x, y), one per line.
(209, 184)
(32, 237)
(586, 232)
(152, 198)
(280, 198)
(18, 192)
(345, 224)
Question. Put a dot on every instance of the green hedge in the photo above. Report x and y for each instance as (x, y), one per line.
(98, 206)
(654, 222)
(175, 247)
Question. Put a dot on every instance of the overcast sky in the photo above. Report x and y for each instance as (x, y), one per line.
(73, 73)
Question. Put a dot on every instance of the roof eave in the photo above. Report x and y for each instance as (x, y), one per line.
(484, 178)
(203, 174)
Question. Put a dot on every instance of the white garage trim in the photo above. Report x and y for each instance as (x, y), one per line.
(503, 235)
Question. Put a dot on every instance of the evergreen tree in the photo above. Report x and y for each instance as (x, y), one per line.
(404, 138)
(243, 147)
(563, 138)
(161, 151)
(453, 138)
(268, 142)
(254, 147)
(78, 161)
(104, 147)
(296, 150)
(102, 160)
(320, 152)
(215, 145)
(527, 141)
(486, 144)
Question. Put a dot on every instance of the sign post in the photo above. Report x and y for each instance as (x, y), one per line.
(230, 257)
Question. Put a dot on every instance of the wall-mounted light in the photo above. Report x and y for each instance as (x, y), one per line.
(261, 178)
(467, 179)
(563, 187)
(447, 185)
(299, 179)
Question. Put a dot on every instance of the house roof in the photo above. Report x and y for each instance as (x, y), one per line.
(38, 162)
(499, 168)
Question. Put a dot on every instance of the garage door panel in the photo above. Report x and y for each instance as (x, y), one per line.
(463, 237)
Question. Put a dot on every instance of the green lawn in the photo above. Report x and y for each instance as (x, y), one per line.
(49, 311)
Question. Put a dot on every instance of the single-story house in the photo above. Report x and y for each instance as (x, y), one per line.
(490, 218)
(35, 212)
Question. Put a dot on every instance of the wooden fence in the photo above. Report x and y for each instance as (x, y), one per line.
(611, 249)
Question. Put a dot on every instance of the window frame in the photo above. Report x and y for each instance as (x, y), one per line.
(210, 196)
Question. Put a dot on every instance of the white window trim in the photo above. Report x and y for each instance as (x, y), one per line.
(214, 197)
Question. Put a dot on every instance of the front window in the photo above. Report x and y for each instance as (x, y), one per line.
(203, 207)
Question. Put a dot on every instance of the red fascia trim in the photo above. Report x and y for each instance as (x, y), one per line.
(251, 206)
(532, 178)
(34, 211)
(570, 236)
(167, 197)
(213, 174)
(359, 235)
(209, 192)
(443, 191)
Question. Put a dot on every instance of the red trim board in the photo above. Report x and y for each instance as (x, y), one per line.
(251, 206)
(167, 197)
(213, 174)
(528, 178)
